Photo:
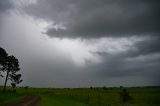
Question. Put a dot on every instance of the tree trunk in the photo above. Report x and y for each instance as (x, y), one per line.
(6, 81)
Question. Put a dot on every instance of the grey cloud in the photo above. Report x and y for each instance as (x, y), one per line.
(150, 46)
(142, 61)
(145, 47)
(92, 18)
(5, 5)
(41, 67)
(121, 66)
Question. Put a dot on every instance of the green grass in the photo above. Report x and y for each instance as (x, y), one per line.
(50, 100)
(8, 96)
(87, 97)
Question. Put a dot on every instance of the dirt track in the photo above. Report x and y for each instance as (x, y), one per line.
(28, 100)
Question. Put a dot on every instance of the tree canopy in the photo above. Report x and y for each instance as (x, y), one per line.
(3, 58)
(10, 65)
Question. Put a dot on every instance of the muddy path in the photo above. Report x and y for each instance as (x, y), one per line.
(28, 100)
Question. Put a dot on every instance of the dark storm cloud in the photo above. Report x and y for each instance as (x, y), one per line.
(122, 65)
(41, 67)
(141, 60)
(5, 5)
(98, 18)
(148, 46)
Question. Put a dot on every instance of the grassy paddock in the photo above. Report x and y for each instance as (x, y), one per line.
(86, 97)
(9, 96)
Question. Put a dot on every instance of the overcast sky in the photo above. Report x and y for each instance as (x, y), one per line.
(82, 43)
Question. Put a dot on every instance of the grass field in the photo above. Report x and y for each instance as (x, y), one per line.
(85, 96)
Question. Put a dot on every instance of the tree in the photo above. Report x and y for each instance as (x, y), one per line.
(124, 96)
(3, 58)
(11, 66)
(13, 85)
(16, 79)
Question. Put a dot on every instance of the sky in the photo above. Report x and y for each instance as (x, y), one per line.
(83, 43)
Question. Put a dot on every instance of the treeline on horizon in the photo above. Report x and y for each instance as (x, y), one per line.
(91, 87)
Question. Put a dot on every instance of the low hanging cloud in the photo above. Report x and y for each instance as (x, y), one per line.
(5, 5)
(98, 18)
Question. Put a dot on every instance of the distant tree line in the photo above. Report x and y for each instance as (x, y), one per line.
(9, 65)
